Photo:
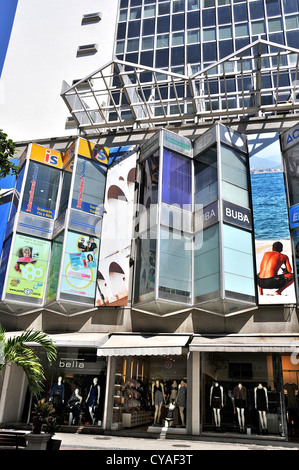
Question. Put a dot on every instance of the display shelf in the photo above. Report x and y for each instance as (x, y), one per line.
(136, 418)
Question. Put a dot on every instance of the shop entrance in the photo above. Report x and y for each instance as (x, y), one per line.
(243, 393)
(75, 385)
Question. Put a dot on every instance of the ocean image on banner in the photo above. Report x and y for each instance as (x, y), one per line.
(270, 217)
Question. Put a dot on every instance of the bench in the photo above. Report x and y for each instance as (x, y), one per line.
(12, 439)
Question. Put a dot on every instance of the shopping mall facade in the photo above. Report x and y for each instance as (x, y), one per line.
(140, 246)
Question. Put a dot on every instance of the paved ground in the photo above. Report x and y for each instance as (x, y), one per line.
(79, 441)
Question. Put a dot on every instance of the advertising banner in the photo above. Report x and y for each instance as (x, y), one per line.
(28, 267)
(79, 273)
(275, 271)
(91, 150)
(114, 268)
(53, 277)
(47, 156)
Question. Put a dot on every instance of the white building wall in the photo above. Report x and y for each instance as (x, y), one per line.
(42, 53)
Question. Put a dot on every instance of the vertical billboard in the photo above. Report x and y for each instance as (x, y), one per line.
(54, 269)
(28, 268)
(114, 263)
(79, 271)
(274, 266)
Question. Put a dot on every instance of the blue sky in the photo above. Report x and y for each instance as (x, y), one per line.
(7, 14)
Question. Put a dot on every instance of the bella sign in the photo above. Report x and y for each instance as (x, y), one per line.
(69, 363)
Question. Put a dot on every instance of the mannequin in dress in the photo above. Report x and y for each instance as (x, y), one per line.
(158, 398)
(93, 398)
(182, 400)
(240, 396)
(216, 402)
(261, 404)
(57, 395)
(74, 404)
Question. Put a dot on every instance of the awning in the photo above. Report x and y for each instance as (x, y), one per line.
(245, 343)
(73, 340)
(143, 345)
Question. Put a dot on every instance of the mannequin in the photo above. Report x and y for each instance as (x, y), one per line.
(240, 396)
(261, 404)
(173, 392)
(74, 405)
(216, 402)
(57, 394)
(182, 400)
(93, 399)
(169, 415)
(158, 398)
(291, 389)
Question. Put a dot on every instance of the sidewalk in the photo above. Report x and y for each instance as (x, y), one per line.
(77, 441)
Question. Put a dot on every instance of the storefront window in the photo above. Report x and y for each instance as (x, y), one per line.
(150, 391)
(75, 385)
(242, 393)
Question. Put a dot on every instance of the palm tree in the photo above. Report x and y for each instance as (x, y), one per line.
(18, 350)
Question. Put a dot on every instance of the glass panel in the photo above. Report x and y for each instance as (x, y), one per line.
(258, 27)
(232, 193)
(234, 167)
(177, 179)
(275, 25)
(238, 261)
(149, 181)
(41, 190)
(207, 263)
(205, 169)
(145, 268)
(89, 197)
(175, 265)
(225, 32)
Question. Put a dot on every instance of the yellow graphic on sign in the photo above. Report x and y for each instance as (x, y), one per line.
(45, 155)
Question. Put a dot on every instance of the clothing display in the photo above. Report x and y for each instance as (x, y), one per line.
(93, 395)
(57, 394)
(291, 391)
(216, 398)
(240, 397)
(74, 405)
(182, 397)
(261, 399)
(158, 395)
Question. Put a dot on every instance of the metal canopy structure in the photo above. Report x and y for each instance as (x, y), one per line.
(259, 79)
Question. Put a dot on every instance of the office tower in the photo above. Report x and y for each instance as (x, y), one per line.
(51, 42)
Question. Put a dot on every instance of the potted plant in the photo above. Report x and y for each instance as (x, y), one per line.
(51, 426)
(37, 440)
